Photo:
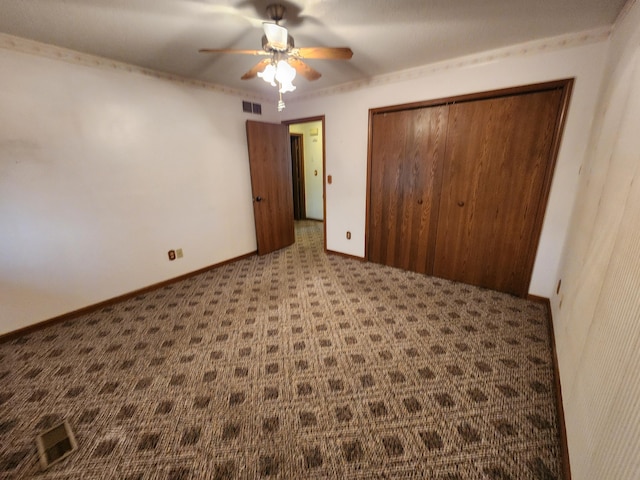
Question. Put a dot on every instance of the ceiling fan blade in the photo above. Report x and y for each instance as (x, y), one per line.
(257, 68)
(326, 53)
(303, 69)
(231, 50)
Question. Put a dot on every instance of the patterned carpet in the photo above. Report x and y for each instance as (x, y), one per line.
(292, 365)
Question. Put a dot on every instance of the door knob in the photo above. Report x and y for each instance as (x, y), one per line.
(461, 203)
(258, 199)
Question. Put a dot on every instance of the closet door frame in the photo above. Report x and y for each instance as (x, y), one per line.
(565, 85)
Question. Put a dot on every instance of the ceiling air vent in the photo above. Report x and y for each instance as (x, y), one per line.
(249, 107)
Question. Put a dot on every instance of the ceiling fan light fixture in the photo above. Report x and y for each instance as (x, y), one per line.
(283, 60)
(285, 74)
(277, 36)
(268, 74)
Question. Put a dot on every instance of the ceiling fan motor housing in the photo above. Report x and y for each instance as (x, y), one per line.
(276, 11)
(267, 47)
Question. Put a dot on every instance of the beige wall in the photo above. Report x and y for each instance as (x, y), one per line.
(597, 312)
(102, 171)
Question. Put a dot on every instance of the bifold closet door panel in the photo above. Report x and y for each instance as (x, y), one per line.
(406, 164)
(498, 153)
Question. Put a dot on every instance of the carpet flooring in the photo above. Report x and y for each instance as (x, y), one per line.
(295, 365)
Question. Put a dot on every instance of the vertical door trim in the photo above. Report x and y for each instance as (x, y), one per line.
(567, 89)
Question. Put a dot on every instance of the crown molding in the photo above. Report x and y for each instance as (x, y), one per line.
(624, 12)
(513, 51)
(19, 44)
(23, 45)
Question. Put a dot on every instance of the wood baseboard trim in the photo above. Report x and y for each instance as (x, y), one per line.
(562, 430)
(345, 255)
(97, 306)
(542, 300)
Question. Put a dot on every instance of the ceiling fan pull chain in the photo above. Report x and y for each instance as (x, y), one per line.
(281, 104)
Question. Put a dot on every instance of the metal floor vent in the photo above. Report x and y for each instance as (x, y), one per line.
(55, 444)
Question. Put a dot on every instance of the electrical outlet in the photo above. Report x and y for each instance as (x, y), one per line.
(348, 235)
(179, 253)
(172, 255)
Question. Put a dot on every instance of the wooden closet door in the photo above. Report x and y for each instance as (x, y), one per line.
(406, 155)
(498, 153)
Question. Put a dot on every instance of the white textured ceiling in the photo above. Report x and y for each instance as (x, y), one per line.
(385, 35)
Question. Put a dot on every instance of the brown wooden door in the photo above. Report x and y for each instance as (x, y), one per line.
(498, 154)
(406, 154)
(270, 164)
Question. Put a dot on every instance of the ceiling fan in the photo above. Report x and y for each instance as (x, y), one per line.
(284, 59)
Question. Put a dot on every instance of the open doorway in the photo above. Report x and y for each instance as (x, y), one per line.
(297, 172)
(308, 169)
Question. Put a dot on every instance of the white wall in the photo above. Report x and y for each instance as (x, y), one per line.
(346, 130)
(102, 171)
(313, 169)
(597, 312)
